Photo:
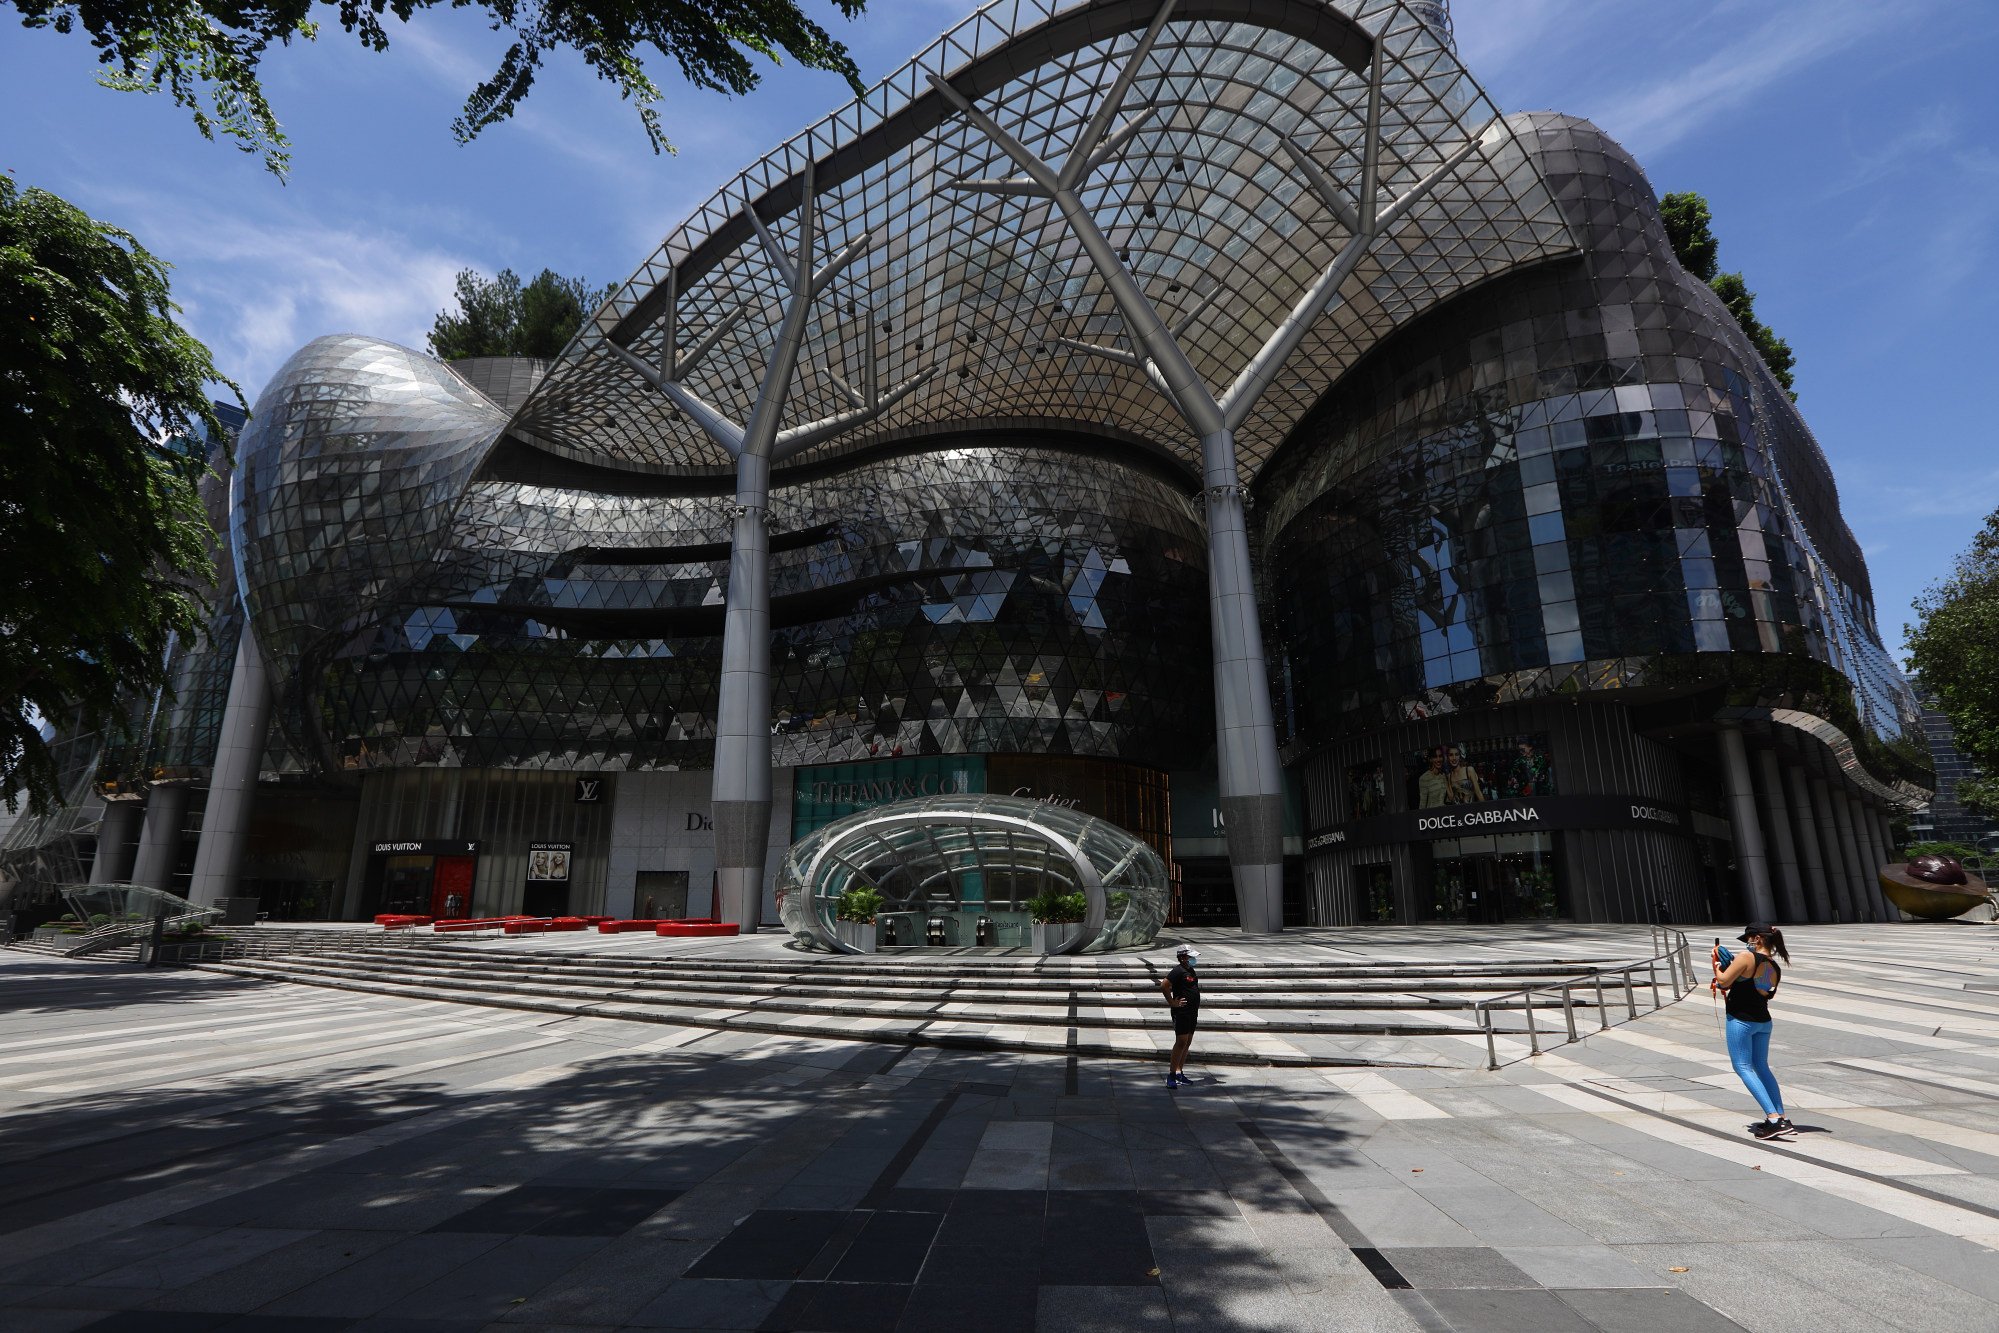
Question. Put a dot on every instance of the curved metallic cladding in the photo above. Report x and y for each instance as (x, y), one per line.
(1576, 476)
(356, 455)
(987, 594)
(1219, 226)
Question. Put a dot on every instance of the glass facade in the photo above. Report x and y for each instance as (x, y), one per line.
(1524, 500)
(1563, 479)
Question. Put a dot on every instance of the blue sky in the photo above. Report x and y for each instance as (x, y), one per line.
(1846, 145)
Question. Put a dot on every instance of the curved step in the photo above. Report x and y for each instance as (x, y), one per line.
(1135, 1046)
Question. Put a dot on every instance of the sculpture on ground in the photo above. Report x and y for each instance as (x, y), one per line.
(1933, 888)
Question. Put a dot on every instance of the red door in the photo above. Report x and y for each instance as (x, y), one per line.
(451, 880)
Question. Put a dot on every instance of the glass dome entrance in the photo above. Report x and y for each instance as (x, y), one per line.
(961, 870)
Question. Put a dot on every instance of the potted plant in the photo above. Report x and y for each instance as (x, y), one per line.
(855, 917)
(1058, 918)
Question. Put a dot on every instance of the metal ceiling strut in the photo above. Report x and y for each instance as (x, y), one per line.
(1249, 776)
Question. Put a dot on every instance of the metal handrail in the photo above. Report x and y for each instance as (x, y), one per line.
(127, 932)
(1669, 947)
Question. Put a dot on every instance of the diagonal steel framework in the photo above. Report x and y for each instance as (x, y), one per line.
(741, 795)
(1249, 774)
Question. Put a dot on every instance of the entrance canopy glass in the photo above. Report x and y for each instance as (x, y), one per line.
(962, 869)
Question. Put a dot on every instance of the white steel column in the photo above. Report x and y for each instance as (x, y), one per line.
(1751, 868)
(117, 840)
(1248, 775)
(1777, 840)
(741, 799)
(159, 842)
(1810, 866)
(232, 781)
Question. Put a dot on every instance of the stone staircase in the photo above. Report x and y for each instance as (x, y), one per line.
(123, 953)
(1386, 1012)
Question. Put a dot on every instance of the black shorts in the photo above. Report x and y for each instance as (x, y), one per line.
(1185, 1021)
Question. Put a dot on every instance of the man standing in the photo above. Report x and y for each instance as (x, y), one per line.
(1432, 784)
(1182, 988)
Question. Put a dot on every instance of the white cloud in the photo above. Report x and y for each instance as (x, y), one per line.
(256, 288)
(1684, 97)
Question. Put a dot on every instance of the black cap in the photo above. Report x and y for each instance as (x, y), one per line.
(1753, 928)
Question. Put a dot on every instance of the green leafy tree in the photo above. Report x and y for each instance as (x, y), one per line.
(102, 537)
(1690, 227)
(1954, 647)
(206, 54)
(500, 317)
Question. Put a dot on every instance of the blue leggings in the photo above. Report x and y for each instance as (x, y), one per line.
(1749, 1052)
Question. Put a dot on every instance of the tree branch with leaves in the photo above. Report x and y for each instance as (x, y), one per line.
(207, 54)
(501, 316)
(102, 534)
(1954, 648)
(1690, 227)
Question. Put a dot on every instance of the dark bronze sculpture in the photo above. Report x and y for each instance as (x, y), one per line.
(1935, 888)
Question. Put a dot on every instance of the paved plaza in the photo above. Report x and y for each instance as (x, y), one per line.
(187, 1151)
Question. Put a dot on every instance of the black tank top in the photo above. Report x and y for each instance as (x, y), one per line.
(1749, 1002)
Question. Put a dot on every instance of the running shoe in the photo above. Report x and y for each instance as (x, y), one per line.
(1768, 1129)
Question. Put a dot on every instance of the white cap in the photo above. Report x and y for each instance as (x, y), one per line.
(1187, 951)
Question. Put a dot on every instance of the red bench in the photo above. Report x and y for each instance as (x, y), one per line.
(616, 927)
(694, 929)
(397, 921)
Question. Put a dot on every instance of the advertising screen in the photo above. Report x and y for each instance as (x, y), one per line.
(1501, 768)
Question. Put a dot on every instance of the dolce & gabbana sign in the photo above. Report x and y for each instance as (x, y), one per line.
(1534, 815)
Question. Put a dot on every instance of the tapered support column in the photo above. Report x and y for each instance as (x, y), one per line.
(1839, 871)
(232, 781)
(1860, 883)
(1864, 838)
(1777, 841)
(1805, 824)
(117, 840)
(1250, 781)
(741, 800)
(159, 842)
(1877, 856)
(1749, 857)
(1864, 876)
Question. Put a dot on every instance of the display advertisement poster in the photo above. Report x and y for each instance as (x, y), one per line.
(1506, 768)
(548, 862)
(1367, 790)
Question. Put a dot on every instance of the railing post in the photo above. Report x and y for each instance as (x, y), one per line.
(1533, 1035)
(1630, 999)
(1491, 1050)
(1602, 1009)
(1652, 976)
(1687, 966)
(1569, 1010)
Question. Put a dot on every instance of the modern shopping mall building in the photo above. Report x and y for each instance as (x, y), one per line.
(1219, 419)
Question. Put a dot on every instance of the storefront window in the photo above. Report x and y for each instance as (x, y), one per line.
(1495, 877)
(1376, 893)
